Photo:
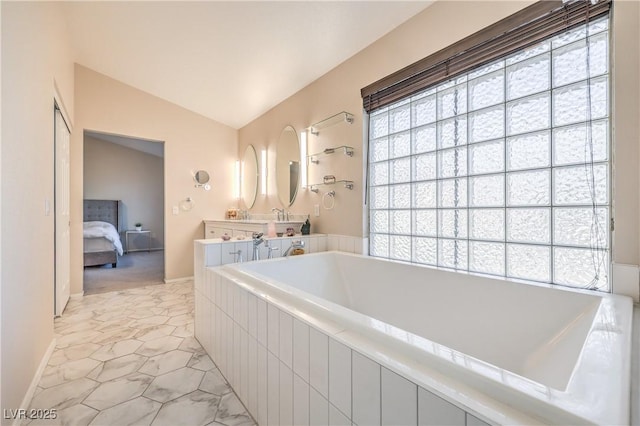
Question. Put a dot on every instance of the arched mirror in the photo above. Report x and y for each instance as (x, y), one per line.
(249, 183)
(287, 166)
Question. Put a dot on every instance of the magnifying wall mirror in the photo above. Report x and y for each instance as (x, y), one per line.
(287, 166)
(202, 179)
(249, 176)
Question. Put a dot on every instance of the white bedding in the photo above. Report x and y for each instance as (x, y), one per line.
(97, 229)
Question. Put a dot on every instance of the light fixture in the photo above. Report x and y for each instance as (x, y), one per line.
(236, 179)
(263, 172)
(303, 158)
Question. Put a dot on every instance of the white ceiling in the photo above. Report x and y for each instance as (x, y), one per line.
(230, 61)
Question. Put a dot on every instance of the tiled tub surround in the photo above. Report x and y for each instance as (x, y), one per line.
(306, 340)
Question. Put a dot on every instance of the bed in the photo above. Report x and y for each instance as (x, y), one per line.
(101, 241)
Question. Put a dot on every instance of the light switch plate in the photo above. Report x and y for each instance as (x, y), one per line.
(176, 210)
(316, 210)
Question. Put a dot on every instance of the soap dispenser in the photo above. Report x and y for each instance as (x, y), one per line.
(305, 229)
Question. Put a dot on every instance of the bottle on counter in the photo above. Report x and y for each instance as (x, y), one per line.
(271, 230)
(305, 229)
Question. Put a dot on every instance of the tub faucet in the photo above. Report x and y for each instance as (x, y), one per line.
(279, 212)
(297, 244)
(257, 240)
(270, 249)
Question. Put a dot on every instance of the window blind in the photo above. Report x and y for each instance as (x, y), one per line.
(518, 31)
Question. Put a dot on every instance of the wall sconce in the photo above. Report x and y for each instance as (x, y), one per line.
(263, 172)
(303, 158)
(236, 179)
(202, 180)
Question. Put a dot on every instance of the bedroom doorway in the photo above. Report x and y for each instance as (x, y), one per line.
(131, 171)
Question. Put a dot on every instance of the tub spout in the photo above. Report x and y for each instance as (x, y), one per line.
(297, 244)
(257, 240)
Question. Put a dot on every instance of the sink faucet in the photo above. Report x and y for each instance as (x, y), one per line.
(297, 244)
(257, 240)
(280, 212)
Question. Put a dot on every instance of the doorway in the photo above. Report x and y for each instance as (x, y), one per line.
(131, 171)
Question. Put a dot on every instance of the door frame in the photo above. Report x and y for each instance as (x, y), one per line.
(58, 104)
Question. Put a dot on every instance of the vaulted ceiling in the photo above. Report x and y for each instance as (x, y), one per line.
(230, 61)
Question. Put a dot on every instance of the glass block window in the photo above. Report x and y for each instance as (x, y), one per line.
(504, 170)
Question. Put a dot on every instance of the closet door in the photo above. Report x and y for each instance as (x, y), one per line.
(62, 220)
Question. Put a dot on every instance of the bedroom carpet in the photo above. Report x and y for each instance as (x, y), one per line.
(136, 269)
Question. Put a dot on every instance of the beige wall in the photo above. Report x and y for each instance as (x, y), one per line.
(114, 172)
(422, 35)
(191, 142)
(339, 90)
(35, 58)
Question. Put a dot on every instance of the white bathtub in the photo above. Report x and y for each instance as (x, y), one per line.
(506, 352)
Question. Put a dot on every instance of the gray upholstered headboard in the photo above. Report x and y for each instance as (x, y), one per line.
(102, 210)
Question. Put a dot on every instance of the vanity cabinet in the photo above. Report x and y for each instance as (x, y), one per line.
(234, 228)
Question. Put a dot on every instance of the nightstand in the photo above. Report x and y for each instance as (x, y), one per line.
(134, 232)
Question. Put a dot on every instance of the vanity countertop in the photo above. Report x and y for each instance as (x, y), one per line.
(253, 221)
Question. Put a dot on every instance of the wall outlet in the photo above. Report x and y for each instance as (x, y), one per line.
(316, 210)
(176, 210)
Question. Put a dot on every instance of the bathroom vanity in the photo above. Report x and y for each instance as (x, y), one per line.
(233, 228)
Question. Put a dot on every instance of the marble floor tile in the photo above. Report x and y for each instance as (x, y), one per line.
(194, 409)
(155, 332)
(174, 301)
(114, 324)
(231, 412)
(76, 415)
(214, 383)
(180, 319)
(129, 357)
(72, 353)
(76, 338)
(166, 362)
(142, 313)
(89, 324)
(64, 395)
(117, 367)
(184, 331)
(117, 391)
(191, 344)
(140, 411)
(114, 335)
(113, 314)
(150, 321)
(201, 361)
(174, 384)
(72, 370)
(117, 349)
(159, 345)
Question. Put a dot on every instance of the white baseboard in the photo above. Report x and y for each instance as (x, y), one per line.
(77, 295)
(178, 280)
(26, 402)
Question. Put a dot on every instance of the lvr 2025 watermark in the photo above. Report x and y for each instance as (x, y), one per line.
(33, 413)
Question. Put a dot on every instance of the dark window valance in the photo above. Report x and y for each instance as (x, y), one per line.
(524, 28)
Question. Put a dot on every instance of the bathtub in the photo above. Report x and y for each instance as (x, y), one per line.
(502, 352)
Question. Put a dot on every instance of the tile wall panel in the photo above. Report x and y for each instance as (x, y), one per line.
(286, 370)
